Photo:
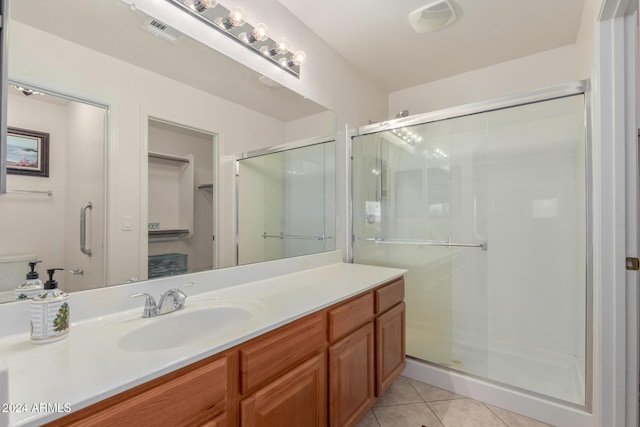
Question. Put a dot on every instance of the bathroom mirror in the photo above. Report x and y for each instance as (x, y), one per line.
(133, 71)
(286, 202)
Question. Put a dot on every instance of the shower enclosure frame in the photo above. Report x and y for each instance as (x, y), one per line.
(582, 87)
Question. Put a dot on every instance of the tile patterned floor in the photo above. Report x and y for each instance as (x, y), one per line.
(411, 403)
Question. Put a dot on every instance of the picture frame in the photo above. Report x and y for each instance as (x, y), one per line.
(27, 152)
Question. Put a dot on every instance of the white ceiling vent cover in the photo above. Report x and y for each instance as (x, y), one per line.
(433, 16)
(160, 29)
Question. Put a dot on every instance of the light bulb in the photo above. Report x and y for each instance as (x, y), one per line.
(282, 46)
(265, 51)
(201, 5)
(237, 17)
(260, 32)
(299, 58)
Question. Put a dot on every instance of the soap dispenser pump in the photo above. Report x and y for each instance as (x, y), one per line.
(32, 287)
(49, 313)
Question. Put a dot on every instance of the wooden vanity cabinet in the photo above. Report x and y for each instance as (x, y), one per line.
(283, 376)
(370, 352)
(295, 399)
(351, 359)
(351, 376)
(390, 347)
(326, 368)
(201, 394)
(390, 334)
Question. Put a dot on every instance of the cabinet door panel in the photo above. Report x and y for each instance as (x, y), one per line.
(296, 399)
(351, 376)
(390, 347)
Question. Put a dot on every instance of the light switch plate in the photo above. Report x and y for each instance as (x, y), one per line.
(127, 223)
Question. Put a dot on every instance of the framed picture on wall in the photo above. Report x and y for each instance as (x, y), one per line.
(27, 152)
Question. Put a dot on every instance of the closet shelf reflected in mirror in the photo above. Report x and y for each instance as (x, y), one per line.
(169, 233)
(171, 188)
(171, 157)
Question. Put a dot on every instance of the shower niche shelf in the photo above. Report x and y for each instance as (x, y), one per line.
(171, 188)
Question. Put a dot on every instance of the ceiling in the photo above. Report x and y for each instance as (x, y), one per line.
(91, 24)
(375, 35)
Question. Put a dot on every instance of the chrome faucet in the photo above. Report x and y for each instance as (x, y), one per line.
(176, 296)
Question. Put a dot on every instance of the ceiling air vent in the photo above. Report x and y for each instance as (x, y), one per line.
(433, 16)
(160, 29)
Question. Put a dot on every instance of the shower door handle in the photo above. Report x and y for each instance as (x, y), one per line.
(83, 228)
(378, 240)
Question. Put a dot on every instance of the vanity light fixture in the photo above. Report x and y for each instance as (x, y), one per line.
(260, 33)
(235, 18)
(201, 5)
(27, 92)
(280, 47)
(233, 23)
(407, 136)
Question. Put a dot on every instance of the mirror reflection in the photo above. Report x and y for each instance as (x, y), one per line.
(114, 96)
(58, 219)
(286, 203)
(181, 205)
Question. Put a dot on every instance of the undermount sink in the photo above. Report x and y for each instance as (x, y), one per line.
(196, 322)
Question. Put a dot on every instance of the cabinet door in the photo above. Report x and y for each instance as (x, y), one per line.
(351, 372)
(296, 399)
(390, 347)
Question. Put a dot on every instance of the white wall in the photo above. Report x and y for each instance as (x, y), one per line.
(321, 125)
(133, 94)
(531, 72)
(585, 41)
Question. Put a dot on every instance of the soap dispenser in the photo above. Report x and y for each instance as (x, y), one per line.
(32, 287)
(49, 313)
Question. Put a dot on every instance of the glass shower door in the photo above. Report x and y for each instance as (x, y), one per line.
(415, 207)
(487, 212)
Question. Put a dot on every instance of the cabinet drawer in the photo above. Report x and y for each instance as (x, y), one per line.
(166, 404)
(270, 356)
(389, 295)
(350, 316)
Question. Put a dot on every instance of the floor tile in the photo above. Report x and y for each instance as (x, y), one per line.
(430, 393)
(515, 420)
(465, 413)
(411, 415)
(400, 392)
(369, 420)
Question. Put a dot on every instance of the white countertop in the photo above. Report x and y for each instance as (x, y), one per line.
(89, 366)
